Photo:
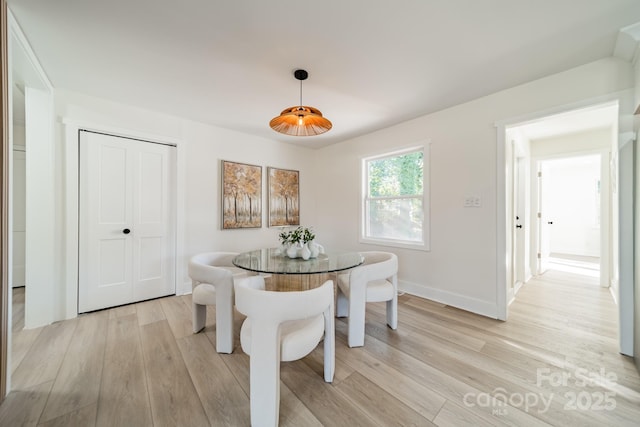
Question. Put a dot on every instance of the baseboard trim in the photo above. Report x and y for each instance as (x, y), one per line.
(517, 288)
(613, 293)
(185, 289)
(463, 302)
(474, 305)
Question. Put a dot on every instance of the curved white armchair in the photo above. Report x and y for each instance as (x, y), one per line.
(281, 326)
(212, 276)
(374, 280)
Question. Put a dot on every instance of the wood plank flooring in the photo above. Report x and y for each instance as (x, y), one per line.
(554, 362)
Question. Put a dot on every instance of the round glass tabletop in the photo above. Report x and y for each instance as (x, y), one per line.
(271, 261)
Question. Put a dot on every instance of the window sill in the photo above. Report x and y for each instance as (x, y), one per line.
(396, 244)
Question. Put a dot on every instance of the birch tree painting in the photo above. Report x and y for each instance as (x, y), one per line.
(241, 195)
(284, 195)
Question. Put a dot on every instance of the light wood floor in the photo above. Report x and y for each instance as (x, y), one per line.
(140, 365)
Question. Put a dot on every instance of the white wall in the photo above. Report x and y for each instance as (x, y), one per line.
(634, 348)
(462, 267)
(19, 135)
(206, 146)
(18, 210)
(40, 214)
(575, 143)
(200, 149)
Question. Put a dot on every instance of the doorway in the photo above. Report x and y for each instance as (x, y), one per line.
(569, 224)
(584, 130)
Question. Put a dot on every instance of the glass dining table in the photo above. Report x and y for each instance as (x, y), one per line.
(294, 274)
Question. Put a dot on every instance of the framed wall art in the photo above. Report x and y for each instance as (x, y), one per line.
(284, 197)
(241, 195)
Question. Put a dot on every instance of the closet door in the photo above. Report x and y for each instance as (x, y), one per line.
(127, 243)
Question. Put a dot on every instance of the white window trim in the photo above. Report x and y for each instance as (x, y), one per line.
(426, 201)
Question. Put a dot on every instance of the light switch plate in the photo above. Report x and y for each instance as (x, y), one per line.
(472, 202)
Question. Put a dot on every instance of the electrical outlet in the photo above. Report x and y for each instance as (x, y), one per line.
(477, 202)
(468, 202)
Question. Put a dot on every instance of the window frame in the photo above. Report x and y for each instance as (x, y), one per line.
(424, 245)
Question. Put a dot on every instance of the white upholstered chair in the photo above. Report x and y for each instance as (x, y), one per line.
(376, 279)
(212, 276)
(281, 326)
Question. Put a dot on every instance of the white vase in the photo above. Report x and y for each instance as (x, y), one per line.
(305, 252)
(314, 248)
(292, 251)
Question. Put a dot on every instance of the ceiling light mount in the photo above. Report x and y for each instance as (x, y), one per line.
(301, 74)
(300, 120)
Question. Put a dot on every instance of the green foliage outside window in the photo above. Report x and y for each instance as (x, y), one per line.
(396, 176)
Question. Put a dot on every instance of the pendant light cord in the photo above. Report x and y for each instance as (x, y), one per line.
(301, 93)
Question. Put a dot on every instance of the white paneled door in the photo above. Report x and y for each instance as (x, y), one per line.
(127, 243)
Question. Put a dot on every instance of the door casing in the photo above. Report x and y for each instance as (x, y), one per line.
(71, 130)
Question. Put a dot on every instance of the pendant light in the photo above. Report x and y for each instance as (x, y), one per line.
(300, 120)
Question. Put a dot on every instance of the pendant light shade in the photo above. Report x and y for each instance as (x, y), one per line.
(300, 120)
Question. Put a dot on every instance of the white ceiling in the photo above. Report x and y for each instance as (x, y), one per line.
(371, 63)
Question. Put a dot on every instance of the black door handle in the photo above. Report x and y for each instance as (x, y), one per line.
(126, 231)
(518, 226)
(550, 222)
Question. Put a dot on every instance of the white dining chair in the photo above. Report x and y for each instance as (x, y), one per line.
(213, 275)
(281, 326)
(376, 279)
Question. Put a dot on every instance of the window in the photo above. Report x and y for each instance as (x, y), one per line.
(395, 203)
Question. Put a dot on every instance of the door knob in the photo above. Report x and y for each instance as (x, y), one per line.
(126, 231)
(550, 222)
(518, 226)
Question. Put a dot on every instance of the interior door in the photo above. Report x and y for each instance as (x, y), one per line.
(127, 244)
(545, 221)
